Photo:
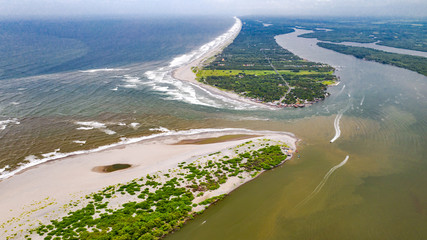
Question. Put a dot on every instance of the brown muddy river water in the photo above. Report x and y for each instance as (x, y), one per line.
(378, 193)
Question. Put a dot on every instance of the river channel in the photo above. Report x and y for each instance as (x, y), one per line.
(377, 117)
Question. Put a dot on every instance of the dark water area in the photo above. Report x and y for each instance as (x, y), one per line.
(33, 47)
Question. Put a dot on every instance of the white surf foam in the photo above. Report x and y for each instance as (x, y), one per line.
(186, 58)
(51, 154)
(94, 125)
(33, 160)
(159, 129)
(5, 123)
(4, 169)
(79, 142)
(131, 82)
(103, 70)
(134, 125)
(161, 79)
(322, 183)
(108, 131)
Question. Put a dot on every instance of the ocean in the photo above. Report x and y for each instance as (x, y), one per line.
(72, 85)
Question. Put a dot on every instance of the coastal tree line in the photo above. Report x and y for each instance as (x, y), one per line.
(256, 49)
(414, 63)
(165, 201)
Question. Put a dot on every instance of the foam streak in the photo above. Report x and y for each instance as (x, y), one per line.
(323, 182)
(337, 127)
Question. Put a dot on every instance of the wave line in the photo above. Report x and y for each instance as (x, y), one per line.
(337, 127)
(323, 182)
(363, 99)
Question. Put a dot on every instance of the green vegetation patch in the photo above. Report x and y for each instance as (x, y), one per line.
(255, 66)
(159, 204)
(206, 73)
(407, 34)
(212, 199)
(413, 63)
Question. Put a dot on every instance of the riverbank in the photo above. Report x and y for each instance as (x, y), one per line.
(51, 190)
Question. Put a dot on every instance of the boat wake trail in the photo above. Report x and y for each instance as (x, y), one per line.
(342, 90)
(337, 124)
(337, 127)
(361, 102)
(322, 183)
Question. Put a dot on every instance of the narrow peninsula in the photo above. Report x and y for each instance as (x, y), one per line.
(255, 67)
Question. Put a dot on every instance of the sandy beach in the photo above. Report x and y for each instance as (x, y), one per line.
(185, 72)
(43, 192)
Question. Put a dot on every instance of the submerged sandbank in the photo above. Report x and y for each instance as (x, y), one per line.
(225, 138)
(111, 168)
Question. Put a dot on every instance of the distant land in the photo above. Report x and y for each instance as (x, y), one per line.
(413, 63)
(255, 66)
(405, 34)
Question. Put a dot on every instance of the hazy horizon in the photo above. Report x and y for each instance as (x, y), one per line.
(152, 8)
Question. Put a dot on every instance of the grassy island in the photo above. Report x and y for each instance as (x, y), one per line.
(154, 205)
(255, 66)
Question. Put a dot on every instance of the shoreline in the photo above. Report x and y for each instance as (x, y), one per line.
(185, 73)
(162, 133)
(47, 189)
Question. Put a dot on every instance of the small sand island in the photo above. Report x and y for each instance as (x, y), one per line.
(146, 189)
(251, 66)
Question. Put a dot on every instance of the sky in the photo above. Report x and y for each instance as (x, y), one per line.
(66, 8)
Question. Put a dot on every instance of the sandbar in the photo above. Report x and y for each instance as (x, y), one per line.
(43, 192)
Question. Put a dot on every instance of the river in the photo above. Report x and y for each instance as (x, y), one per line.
(369, 183)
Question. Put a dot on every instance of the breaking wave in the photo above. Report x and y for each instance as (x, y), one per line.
(5, 123)
(94, 125)
(103, 70)
(161, 79)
